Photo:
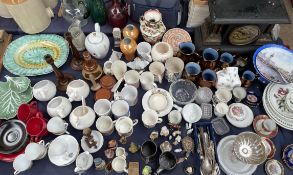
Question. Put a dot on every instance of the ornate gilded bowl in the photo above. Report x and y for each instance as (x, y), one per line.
(249, 148)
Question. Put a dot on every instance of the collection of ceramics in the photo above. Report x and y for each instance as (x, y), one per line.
(201, 86)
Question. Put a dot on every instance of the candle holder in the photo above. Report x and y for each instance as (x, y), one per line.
(76, 62)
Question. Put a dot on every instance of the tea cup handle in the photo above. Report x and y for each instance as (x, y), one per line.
(160, 120)
(41, 93)
(160, 79)
(34, 104)
(39, 115)
(47, 144)
(16, 172)
(154, 86)
(117, 95)
(66, 126)
(125, 170)
(35, 139)
(42, 142)
(116, 86)
(159, 170)
(135, 121)
(177, 107)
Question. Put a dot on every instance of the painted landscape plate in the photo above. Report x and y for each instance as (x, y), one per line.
(25, 55)
(274, 63)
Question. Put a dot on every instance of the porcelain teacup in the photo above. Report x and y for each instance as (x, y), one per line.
(105, 125)
(174, 68)
(124, 126)
(21, 163)
(222, 95)
(77, 89)
(59, 107)
(120, 152)
(107, 68)
(57, 126)
(36, 151)
(157, 69)
(221, 109)
(144, 51)
(120, 108)
(119, 165)
(191, 113)
(82, 117)
(102, 107)
(130, 94)
(44, 90)
(147, 81)
(150, 118)
(269, 125)
(131, 77)
(239, 94)
(118, 69)
(175, 117)
(83, 162)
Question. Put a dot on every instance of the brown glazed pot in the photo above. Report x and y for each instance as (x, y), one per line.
(131, 31)
(117, 14)
(107, 81)
(103, 94)
(128, 48)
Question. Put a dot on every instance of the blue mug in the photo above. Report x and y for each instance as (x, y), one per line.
(226, 59)
(209, 78)
(186, 51)
(210, 56)
(247, 78)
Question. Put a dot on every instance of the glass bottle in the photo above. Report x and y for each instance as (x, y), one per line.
(97, 11)
(75, 9)
(117, 14)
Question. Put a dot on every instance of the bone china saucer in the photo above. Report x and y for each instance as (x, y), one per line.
(258, 128)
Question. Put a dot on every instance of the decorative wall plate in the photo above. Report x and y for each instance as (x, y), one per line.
(176, 36)
(244, 35)
(274, 63)
(25, 56)
(240, 115)
(288, 156)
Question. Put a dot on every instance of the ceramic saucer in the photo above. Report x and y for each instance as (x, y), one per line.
(274, 167)
(97, 137)
(240, 115)
(269, 147)
(288, 156)
(252, 99)
(257, 126)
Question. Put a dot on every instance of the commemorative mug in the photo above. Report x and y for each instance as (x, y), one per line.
(102, 107)
(44, 90)
(210, 57)
(77, 89)
(150, 118)
(105, 125)
(57, 126)
(147, 81)
(119, 165)
(157, 69)
(21, 163)
(174, 68)
(27, 111)
(131, 77)
(36, 151)
(120, 108)
(124, 126)
(59, 107)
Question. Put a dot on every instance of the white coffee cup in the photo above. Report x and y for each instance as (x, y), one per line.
(44, 90)
(150, 118)
(105, 125)
(119, 165)
(174, 68)
(157, 69)
(131, 77)
(120, 108)
(129, 93)
(120, 152)
(222, 95)
(144, 51)
(57, 126)
(124, 126)
(59, 107)
(77, 89)
(21, 163)
(239, 94)
(221, 109)
(147, 81)
(175, 117)
(102, 107)
(118, 69)
(107, 67)
(83, 162)
(36, 151)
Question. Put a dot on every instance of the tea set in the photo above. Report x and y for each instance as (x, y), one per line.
(201, 85)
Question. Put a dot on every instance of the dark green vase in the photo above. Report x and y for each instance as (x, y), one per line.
(97, 11)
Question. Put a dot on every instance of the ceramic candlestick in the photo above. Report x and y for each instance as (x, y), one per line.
(76, 62)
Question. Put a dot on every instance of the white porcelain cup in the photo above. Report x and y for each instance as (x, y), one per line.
(131, 77)
(120, 152)
(222, 95)
(147, 81)
(36, 151)
(144, 51)
(83, 162)
(129, 93)
(174, 68)
(120, 108)
(118, 69)
(157, 69)
(175, 117)
(59, 107)
(77, 89)
(107, 67)
(239, 94)
(105, 125)
(119, 165)
(57, 126)
(102, 107)
(269, 125)
(44, 90)
(21, 163)
(150, 118)
(124, 126)
(221, 109)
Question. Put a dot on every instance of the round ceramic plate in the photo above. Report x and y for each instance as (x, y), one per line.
(183, 91)
(257, 126)
(244, 113)
(269, 147)
(25, 56)
(274, 167)
(97, 137)
(176, 36)
(228, 162)
(289, 101)
(274, 63)
(165, 104)
(287, 156)
(72, 150)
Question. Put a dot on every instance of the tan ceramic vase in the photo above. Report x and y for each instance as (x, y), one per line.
(130, 31)
(128, 48)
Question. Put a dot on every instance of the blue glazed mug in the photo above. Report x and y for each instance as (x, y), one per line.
(192, 70)
(210, 57)
(226, 59)
(186, 51)
(208, 79)
(247, 78)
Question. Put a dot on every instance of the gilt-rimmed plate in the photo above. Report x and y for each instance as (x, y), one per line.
(25, 56)
(240, 115)
(288, 156)
(274, 167)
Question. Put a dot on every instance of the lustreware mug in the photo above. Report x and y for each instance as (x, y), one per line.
(157, 69)
(77, 89)
(192, 71)
(208, 79)
(36, 151)
(27, 111)
(59, 107)
(247, 78)
(210, 57)
(174, 68)
(44, 90)
(150, 118)
(119, 165)
(147, 81)
(120, 108)
(226, 59)
(102, 107)
(21, 163)
(186, 51)
(57, 126)
(105, 125)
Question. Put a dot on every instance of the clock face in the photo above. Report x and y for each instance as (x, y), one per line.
(244, 35)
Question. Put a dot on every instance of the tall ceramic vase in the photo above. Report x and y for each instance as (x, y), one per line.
(98, 11)
(117, 14)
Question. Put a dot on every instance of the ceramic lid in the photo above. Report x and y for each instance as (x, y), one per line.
(107, 81)
(103, 94)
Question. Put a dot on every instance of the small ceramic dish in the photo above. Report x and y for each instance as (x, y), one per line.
(183, 91)
(97, 136)
(207, 110)
(274, 167)
(258, 127)
(288, 156)
(220, 126)
(270, 147)
(252, 99)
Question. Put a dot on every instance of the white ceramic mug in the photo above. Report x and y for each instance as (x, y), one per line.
(105, 125)
(120, 108)
(147, 81)
(44, 90)
(120, 152)
(83, 162)
(36, 151)
(174, 68)
(82, 117)
(102, 107)
(59, 107)
(150, 118)
(131, 77)
(77, 89)
(221, 109)
(129, 93)
(119, 165)
(222, 95)
(239, 94)
(161, 51)
(118, 69)
(175, 117)
(21, 163)
(124, 126)
(57, 126)
(107, 67)
(144, 51)
(157, 69)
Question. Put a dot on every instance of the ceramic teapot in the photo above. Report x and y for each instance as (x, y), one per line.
(97, 43)
(82, 117)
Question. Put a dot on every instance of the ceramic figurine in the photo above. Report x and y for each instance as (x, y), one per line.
(78, 37)
(117, 14)
(109, 153)
(138, 64)
(188, 145)
(152, 26)
(189, 170)
(97, 43)
(164, 131)
(128, 48)
(63, 79)
(154, 135)
(76, 62)
(112, 144)
(166, 146)
(116, 36)
(131, 31)
(91, 70)
(147, 170)
(133, 148)
(99, 163)
(123, 140)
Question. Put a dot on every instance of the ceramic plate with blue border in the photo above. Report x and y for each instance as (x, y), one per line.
(25, 56)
